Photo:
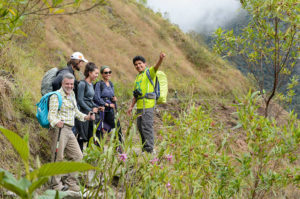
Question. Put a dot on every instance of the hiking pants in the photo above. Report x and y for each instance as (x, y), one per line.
(145, 126)
(68, 145)
(86, 128)
(100, 134)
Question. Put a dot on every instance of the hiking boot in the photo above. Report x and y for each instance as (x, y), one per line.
(149, 151)
(74, 188)
(61, 188)
(115, 181)
(65, 188)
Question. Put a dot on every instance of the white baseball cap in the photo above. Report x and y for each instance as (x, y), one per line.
(79, 56)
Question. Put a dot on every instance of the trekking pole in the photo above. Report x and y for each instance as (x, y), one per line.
(57, 143)
(94, 129)
(102, 125)
(117, 121)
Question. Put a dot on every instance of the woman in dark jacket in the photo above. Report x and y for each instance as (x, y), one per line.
(85, 95)
(105, 97)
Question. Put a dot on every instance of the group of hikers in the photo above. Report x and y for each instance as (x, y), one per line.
(73, 111)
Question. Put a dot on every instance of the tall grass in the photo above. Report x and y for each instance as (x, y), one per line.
(197, 158)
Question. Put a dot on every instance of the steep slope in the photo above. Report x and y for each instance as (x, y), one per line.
(109, 35)
(114, 34)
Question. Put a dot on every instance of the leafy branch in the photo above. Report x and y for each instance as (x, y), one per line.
(26, 186)
(14, 12)
(267, 45)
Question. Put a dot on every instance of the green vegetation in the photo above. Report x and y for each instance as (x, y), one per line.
(26, 186)
(196, 158)
(198, 155)
(267, 43)
(14, 12)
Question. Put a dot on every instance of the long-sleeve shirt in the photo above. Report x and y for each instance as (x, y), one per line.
(85, 95)
(67, 112)
(106, 92)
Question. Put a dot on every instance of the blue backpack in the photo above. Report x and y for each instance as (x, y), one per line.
(43, 108)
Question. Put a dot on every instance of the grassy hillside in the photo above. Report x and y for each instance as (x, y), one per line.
(110, 35)
(212, 166)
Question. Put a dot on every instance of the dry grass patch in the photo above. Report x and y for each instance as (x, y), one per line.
(6, 93)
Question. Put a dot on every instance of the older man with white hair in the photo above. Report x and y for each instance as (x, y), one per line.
(62, 121)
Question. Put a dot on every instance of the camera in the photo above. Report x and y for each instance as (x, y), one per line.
(137, 93)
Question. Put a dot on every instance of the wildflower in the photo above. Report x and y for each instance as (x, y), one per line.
(169, 157)
(168, 185)
(123, 157)
(212, 124)
(154, 161)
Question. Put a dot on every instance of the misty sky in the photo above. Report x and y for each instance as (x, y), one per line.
(198, 15)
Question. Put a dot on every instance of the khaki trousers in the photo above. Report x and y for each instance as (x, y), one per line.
(67, 144)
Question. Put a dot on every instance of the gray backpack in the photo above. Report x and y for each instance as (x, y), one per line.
(48, 78)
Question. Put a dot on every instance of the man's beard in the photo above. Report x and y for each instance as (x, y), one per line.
(77, 67)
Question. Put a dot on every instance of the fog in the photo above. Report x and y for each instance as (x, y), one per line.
(202, 16)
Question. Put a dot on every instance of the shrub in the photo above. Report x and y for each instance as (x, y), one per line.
(197, 158)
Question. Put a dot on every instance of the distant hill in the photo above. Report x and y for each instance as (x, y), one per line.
(237, 25)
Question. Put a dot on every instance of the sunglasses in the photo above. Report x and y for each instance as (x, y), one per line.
(109, 72)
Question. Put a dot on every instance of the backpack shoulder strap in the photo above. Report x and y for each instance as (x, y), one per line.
(59, 71)
(111, 84)
(59, 99)
(149, 77)
(101, 82)
(95, 85)
(85, 84)
(58, 96)
(98, 82)
(82, 81)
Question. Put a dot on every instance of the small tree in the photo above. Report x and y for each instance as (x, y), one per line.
(13, 12)
(268, 44)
